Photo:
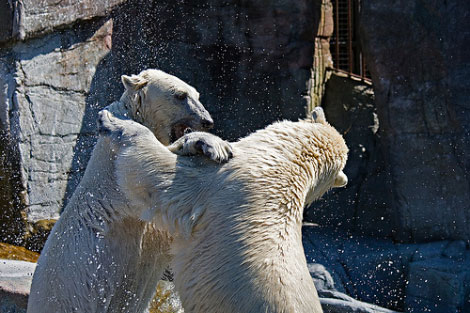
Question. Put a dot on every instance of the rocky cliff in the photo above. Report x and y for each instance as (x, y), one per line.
(255, 62)
(417, 53)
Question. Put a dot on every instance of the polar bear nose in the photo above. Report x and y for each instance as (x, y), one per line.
(207, 123)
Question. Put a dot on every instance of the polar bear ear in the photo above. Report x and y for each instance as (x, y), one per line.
(133, 83)
(318, 115)
(341, 180)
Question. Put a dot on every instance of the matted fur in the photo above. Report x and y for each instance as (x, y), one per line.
(237, 226)
(100, 257)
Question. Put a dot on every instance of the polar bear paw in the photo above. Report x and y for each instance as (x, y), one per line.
(120, 129)
(200, 143)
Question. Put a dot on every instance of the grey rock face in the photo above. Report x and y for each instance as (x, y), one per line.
(28, 18)
(47, 109)
(11, 187)
(422, 90)
(439, 285)
(369, 270)
(250, 61)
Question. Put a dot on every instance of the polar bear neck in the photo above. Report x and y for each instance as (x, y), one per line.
(300, 163)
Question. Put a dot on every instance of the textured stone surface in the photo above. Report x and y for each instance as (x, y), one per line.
(428, 277)
(250, 60)
(422, 93)
(28, 18)
(53, 81)
(11, 188)
(367, 269)
(15, 282)
(439, 285)
(363, 206)
(336, 302)
(6, 20)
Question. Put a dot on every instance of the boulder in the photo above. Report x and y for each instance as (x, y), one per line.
(15, 282)
(439, 285)
(427, 277)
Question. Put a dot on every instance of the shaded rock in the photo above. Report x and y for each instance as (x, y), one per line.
(321, 277)
(15, 282)
(422, 93)
(364, 205)
(428, 277)
(336, 302)
(251, 61)
(426, 251)
(439, 285)
(12, 226)
(365, 268)
(377, 271)
(6, 20)
(322, 248)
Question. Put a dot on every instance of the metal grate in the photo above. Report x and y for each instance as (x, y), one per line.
(344, 44)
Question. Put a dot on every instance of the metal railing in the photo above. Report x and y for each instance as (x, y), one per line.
(345, 46)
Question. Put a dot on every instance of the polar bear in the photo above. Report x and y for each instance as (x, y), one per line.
(236, 226)
(100, 257)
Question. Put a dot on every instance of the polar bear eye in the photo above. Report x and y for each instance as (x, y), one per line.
(181, 95)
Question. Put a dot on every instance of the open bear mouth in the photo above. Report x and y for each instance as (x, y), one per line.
(178, 130)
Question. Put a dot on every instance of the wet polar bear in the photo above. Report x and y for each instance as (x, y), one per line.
(237, 226)
(100, 257)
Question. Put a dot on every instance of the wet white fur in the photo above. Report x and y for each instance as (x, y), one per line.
(237, 226)
(100, 257)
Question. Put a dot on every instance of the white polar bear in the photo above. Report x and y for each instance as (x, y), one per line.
(237, 226)
(100, 257)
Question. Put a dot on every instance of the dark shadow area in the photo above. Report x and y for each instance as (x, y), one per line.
(363, 206)
(12, 226)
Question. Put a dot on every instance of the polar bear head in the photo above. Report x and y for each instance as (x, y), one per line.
(165, 104)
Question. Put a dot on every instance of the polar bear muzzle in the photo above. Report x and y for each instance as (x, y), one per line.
(341, 180)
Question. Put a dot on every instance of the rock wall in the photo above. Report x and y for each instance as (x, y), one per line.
(251, 60)
(426, 277)
(24, 19)
(61, 62)
(49, 91)
(363, 207)
(49, 53)
(417, 53)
